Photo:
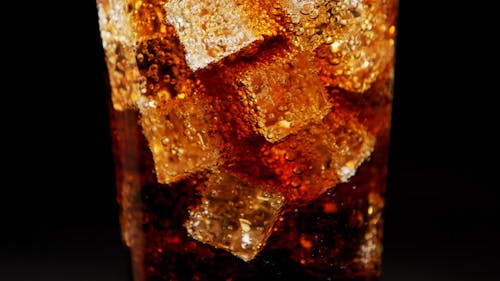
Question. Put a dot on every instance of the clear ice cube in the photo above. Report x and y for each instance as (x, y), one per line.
(354, 58)
(318, 157)
(234, 215)
(277, 94)
(306, 20)
(284, 95)
(355, 37)
(180, 135)
(211, 30)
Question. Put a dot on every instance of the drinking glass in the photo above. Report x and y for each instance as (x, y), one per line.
(250, 138)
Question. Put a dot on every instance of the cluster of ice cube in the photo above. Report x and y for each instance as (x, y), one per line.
(310, 144)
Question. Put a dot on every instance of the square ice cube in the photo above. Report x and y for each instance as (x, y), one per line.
(234, 215)
(211, 30)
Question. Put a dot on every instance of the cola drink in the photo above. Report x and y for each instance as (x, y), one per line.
(250, 138)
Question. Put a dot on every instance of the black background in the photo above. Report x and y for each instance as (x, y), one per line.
(58, 217)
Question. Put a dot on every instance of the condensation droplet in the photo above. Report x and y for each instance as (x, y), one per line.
(165, 141)
(140, 58)
(307, 8)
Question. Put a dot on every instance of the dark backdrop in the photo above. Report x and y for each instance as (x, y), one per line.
(58, 217)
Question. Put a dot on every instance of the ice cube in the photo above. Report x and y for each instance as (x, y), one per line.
(180, 135)
(305, 164)
(306, 20)
(355, 37)
(211, 30)
(374, 105)
(353, 58)
(318, 157)
(234, 215)
(284, 95)
(118, 39)
(279, 93)
(311, 23)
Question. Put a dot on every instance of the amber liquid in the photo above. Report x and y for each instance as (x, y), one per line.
(338, 236)
(330, 107)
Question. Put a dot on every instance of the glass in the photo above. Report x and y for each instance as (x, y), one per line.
(250, 138)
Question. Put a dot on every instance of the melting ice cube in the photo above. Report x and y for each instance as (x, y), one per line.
(318, 157)
(234, 215)
(284, 95)
(355, 37)
(211, 30)
(277, 94)
(180, 135)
